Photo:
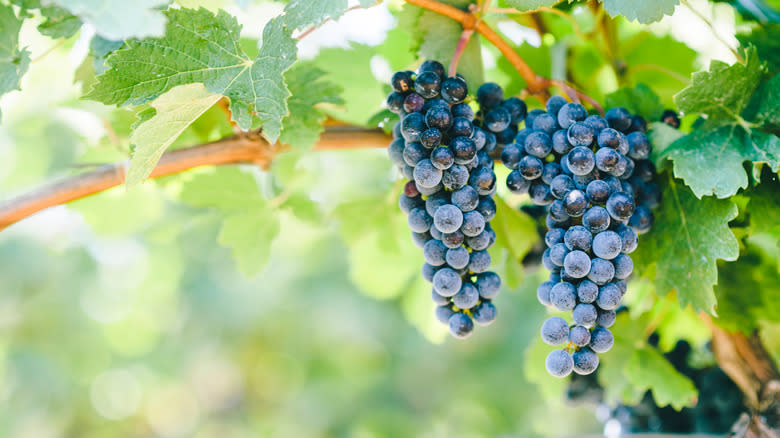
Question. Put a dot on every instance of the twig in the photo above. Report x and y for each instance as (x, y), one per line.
(715, 33)
(463, 41)
(247, 148)
(537, 85)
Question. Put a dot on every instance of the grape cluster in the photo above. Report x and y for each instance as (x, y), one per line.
(449, 196)
(594, 175)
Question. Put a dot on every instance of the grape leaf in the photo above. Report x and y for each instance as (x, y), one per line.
(176, 110)
(644, 11)
(250, 222)
(691, 234)
(59, 22)
(768, 112)
(764, 205)
(202, 47)
(529, 5)
(648, 369)
(640, 100)
(661, 137)
(119, 19)
(299, 14)
(302, 127)
(710, 161)
(14, 60)
(766, 40)
(724, 90)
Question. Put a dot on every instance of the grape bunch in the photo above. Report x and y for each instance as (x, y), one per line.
(449, 195)
(594, 175)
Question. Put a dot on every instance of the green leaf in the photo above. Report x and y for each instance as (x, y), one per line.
(438, 36)
(14, 60)
(250, 222)
(302, 127)
(769, 103)
(530, 5)
(100, 48)
(647, 369)
(764, 206)
(644, 11)
(640, 100)
(119, 19)
(249, 235)
(724, 90)
(516, 234)
(59, 22)
(300, 14)
(175, 111)
(202, 47)
(766, 40)
(661, 137)
(710, 161)
(689, 235)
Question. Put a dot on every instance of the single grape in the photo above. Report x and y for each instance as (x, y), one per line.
(472, 223)
(585, 361)
(444, 313)
(609, 138)
(467, 297)
(454, 90)
(428, 84)
(517, 108)
(420, 239)
(531, 116)
(439, 117)
(598, 191)
(511, 155)
(479, 261)
(483, 179)
(577, 264)
(570, 114)
(601, 271)
(638, 145)
(516, 183)
(563, 296)
(487, 207)
(607, 245)
(554, 105)
(485, 313)
(426, 174)
(581, 160)
(489, 95)
(623, 266)
(480, 241)
(438, 299)
(447, 282)
(558, 254)
(607, 159)
(433, 202)
(413, 103)
(461, 326)
(428, 271)
(606, 318)
(609, 297)
(430, 138)
(620, 206)
(461, 127)
(434, 252)
(585, 314)
(575, 203)
(395, 103)
(618, 118)
(463, 110)
(540, 193)
(497, 119)
(641, 220)
(407, 204)
(545, 123)
(597, 123)
(638, 124)
(466, 198)
(452, 240)
(457, 258)
(442, 158)
(557, 212)
(628, 237)
(596, 219)
(560, 142)
(402, 81)
(464, 149)
(488, 284)
(580, 134)
(579, 336)
(434, 66)
(559, 363)
(671, 118)
(587, 291)
(601, 340)
(413, 153)
(561, 185)
(578, 238)
(419, 220)
(555, 330)
(550, 171)
(455, 177)
(448, 218)
(538, 144)
(530, 167)
(543, 292)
